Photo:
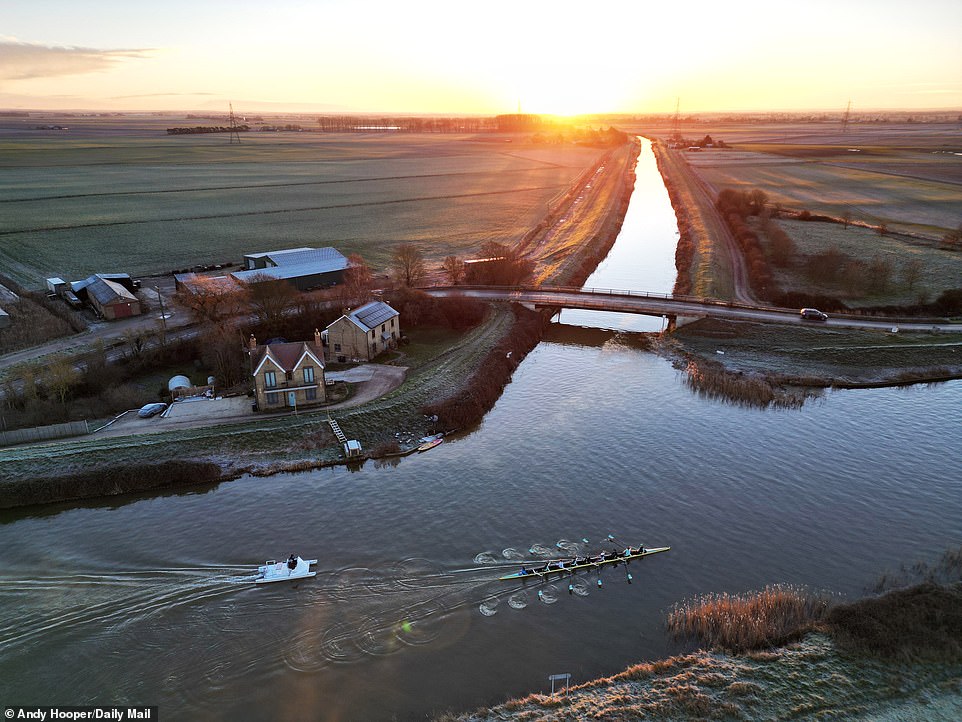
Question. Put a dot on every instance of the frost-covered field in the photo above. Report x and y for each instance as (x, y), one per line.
(108, 198)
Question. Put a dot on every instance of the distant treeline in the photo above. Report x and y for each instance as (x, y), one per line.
(369, 123)
(198, 129)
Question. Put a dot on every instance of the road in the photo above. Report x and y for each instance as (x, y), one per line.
(663, 305)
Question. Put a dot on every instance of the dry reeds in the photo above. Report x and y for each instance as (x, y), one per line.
(742, 622)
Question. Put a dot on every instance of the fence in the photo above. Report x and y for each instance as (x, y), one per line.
(41, 433)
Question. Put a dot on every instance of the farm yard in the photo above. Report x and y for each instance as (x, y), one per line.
(142, 202)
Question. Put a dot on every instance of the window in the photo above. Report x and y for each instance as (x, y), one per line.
(372, 333)
(272, 399)
(310, 394)
(289, 375)
(382, 328)
(270, 379)
(308, 374)
(337, 347)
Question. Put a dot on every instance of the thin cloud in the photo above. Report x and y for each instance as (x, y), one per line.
(159, 95)
(26, 61)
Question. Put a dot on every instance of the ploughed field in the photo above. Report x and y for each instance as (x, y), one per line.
(115, 196)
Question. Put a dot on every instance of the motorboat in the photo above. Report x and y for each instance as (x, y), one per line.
(293, 568)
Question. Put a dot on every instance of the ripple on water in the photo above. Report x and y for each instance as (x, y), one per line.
(489, 607)
(486, 558)
(518, 600)
(540, 550)
(513, 555)
(548, 594)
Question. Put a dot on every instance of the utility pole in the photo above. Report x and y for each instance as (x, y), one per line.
(232, 124)
(848, 109)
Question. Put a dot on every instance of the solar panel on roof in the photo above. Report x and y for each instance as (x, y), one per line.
(374, 314)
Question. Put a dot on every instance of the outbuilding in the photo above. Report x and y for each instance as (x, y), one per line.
(304, 268)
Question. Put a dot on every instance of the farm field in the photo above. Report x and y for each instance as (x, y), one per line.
(907, 176)
(937, 270)
(113, 196)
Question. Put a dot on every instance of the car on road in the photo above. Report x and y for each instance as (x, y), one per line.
(813, 314)
(149, 410)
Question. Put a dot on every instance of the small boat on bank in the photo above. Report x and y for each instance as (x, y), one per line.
(293, 568)
(573, 564)
(429, 442)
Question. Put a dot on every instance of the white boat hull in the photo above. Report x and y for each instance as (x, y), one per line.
(279, 571)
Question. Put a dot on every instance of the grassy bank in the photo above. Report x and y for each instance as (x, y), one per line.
(786, 653)
(761, 364)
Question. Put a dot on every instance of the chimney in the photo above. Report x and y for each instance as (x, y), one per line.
(317, 338)
(347, 311)
(252, 343)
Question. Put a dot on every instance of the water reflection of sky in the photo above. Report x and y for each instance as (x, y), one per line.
(643, 257)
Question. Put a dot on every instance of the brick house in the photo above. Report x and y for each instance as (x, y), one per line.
(288, 375)
(363, 333)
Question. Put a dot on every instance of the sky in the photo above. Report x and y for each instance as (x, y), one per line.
(559, 57)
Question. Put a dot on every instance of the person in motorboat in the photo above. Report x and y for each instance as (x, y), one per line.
(292, 562)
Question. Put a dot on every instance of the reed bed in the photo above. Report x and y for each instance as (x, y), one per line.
(743, 622)
(713, 381)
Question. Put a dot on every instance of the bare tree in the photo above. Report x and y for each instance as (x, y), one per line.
(911, 272)
(270, 298)
(358, 279)
(454, 267)
(211, 300)
(59, 377)
(408, 265)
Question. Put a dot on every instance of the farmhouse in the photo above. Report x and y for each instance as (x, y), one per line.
(363, 333)
(305, 268)
(288, 375)
(110, 294)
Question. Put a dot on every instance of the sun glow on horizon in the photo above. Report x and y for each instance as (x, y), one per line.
(556, 58)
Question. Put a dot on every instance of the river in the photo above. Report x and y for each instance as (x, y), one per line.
(149, 600)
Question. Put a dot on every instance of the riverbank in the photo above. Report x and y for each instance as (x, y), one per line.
(811, 679)
(788, 653)
(765, 365)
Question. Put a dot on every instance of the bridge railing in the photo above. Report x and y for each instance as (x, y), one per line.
(851, 314)
(618, 292)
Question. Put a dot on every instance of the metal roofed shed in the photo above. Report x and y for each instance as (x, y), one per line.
(305, 268)
(109, 294)
(352, 448)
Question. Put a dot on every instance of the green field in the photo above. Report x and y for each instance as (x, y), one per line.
(117, 196)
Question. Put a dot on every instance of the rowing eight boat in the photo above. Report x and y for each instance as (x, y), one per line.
(565, 566)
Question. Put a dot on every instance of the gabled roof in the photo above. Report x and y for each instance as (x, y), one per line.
(371, 315)
(107, 292)
(80, 285)
(287, 356)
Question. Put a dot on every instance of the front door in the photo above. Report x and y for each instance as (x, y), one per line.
(292, 399)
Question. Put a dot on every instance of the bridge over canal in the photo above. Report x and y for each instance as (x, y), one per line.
(677, 309)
